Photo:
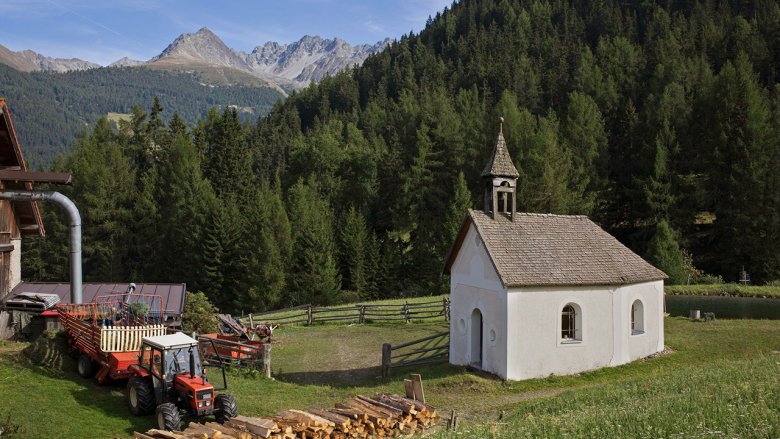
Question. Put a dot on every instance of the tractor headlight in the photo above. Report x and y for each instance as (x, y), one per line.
(208, 403)
(200, 404)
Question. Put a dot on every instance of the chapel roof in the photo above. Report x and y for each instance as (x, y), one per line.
(500, 163)
(554, 250)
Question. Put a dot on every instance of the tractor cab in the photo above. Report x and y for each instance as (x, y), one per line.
(169, 376)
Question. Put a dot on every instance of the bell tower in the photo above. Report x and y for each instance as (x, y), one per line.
(500, 176)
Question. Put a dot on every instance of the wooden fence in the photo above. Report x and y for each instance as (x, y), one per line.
(433, 348)
(361, 313)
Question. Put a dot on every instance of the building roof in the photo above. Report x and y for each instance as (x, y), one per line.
(171, 341)
(172, 295)
(28, 217)
(554, 250)
(500, 163)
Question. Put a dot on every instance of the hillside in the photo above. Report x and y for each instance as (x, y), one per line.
(30, 61)
(660, 122)
(49, 110)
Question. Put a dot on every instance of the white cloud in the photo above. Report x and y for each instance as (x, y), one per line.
(374, 27)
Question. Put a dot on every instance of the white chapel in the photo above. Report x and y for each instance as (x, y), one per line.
(540, 294)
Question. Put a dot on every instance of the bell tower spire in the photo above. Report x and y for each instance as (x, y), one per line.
(500, 176)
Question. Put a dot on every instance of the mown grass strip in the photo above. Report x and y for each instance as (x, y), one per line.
(724, 290)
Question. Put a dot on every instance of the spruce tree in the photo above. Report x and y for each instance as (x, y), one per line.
(314, 269)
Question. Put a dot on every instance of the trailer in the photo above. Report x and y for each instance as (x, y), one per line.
(108, 332)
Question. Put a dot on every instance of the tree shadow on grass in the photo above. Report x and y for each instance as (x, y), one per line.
(48, 357)
(110, 400)
(365, 377)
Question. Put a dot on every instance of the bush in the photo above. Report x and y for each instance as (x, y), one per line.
(710, 279)
(199, 314)
(349, 297)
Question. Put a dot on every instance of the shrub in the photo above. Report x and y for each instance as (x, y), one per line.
(710, 279)
(348, 297)
(199, 314)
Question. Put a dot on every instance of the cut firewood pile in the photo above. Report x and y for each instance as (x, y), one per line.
(383, 415)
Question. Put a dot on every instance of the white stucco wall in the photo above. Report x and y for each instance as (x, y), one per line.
(476, 285)
(535, 346)
(15, 264)
(634, 346)
(536, 350)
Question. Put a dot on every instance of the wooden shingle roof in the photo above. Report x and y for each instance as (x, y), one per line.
(500, 163)
(554, 250)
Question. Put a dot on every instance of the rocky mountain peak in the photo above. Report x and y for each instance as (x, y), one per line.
(203, 46)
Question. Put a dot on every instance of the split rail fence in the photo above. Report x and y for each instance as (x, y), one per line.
(431, 349)
(361, 313)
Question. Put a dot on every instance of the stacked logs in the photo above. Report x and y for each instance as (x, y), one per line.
(383, 415)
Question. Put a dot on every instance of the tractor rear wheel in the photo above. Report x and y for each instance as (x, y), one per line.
(86, 367)
(225, 407)
(168, 417)
(140, 396)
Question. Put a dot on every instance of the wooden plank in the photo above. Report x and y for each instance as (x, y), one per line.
(137, 435)
(417, 388)
(164, 434)
(409, 388)
(238, 434)
(260, 427)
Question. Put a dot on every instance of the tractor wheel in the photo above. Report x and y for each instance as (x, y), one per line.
(140, 396)
(168, 417)
(225, 407)
(86, 367)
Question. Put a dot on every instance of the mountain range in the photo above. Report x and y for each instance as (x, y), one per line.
(281, 66)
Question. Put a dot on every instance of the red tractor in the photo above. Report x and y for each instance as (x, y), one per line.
(165, 376)
(169, 380)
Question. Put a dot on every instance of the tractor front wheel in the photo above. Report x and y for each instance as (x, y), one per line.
(225, 407)
(168, 417)
(140, 395)
(86, 367)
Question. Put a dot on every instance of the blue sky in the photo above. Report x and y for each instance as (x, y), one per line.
(104, 31)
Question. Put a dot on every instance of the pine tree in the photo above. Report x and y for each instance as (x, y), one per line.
(665, 253)
(742, 144)
(354, 242)
(314, 271)
(103, 191)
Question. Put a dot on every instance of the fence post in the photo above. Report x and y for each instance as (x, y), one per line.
(406, 311)
(446, 309)
(309, 316)
(362, 318)
(387, 358)
(266, 349)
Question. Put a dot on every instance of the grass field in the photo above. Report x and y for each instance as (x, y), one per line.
(724, 289)
(720, 381)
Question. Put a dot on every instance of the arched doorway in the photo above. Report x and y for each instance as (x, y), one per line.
(476, 338)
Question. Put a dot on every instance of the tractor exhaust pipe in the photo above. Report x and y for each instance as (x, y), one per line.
(75, 230)
(192, 364)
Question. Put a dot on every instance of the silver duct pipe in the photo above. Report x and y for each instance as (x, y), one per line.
(75, 230)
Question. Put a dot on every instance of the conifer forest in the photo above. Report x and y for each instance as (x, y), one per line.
(660, 120)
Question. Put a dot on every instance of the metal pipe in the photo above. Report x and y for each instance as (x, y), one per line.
(75, 230)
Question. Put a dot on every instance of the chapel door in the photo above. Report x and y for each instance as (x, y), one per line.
(476, 338)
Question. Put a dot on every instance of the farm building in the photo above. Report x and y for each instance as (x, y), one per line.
(22, 304)
(540, 294)
(17, 218)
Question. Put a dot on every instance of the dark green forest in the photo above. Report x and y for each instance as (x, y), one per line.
(50, 110)
(659, 120)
